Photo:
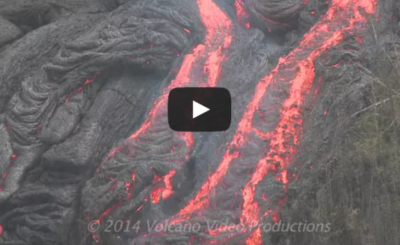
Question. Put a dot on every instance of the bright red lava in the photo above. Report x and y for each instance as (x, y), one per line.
(217, 40)
(342, 17)
(241, 15)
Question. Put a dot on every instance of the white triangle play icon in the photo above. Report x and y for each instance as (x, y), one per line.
(198, 109)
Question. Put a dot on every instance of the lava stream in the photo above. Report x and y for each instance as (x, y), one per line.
(217, 39)
(342, 17)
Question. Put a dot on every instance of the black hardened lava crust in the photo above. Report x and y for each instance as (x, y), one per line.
(84, 135)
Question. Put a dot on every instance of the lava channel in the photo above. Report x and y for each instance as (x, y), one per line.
(297, 70)
(206, 58)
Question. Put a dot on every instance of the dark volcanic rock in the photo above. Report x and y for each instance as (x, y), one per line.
(8, 32)
(84, 133)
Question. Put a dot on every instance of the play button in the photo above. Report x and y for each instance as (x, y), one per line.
(198, 109)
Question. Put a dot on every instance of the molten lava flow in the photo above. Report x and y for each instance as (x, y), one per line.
(218, 38)
(296, 69)
(241, 15)
(342, 17)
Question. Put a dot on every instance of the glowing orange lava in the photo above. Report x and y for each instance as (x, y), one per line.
(217, 40)
(241, 14)
(341, 18)
(296, 70)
